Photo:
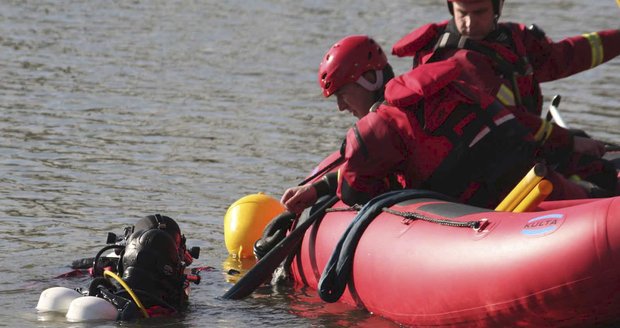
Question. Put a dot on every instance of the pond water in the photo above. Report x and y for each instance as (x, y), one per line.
(113, 110)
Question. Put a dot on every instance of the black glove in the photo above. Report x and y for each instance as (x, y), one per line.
(274, 232)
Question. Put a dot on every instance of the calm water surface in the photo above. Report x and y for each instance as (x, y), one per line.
(112, 110)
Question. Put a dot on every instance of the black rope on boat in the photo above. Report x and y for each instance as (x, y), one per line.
(417, 216)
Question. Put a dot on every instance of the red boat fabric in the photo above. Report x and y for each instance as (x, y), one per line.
(559, 267)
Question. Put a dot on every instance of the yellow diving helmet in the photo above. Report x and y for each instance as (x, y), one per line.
(245, 220)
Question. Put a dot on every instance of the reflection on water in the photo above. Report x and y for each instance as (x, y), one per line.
(114, 110)
(306, 303)
(234, 268)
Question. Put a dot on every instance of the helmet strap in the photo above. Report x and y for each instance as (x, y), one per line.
(371, 86)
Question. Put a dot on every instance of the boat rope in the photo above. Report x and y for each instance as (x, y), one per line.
(355, 208)
(417, 216)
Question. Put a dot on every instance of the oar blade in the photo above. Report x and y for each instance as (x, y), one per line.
(264, 268)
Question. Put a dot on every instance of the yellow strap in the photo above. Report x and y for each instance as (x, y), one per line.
(544, 131)
(338, 176)
(506, 96)
(549, 130)
(597, 48)
(520, 191)
(128, 289)
(517, 93)
(535, 197)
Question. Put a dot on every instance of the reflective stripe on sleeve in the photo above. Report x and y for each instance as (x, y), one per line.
(597, 48)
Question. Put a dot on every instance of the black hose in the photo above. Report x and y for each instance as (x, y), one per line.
(99, 271)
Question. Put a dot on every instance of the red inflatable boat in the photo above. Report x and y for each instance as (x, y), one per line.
(431, 262)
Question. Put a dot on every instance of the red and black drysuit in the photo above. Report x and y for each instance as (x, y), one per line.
(522, 58)
(437, 133)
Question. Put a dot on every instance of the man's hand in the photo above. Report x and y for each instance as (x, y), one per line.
(297, 199)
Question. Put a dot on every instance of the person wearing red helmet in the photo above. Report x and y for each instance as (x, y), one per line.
(522, 58)
(355, 69)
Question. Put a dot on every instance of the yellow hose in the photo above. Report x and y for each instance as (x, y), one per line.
(518, 193)
(128, 289)
(535, 197)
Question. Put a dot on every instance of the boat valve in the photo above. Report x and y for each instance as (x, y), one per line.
(482, 224)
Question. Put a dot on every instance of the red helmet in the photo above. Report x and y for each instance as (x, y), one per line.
(347, 60)
(497, 5)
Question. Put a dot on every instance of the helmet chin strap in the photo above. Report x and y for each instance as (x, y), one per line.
(372, 86)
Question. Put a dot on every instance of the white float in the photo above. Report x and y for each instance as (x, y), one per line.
(89, 308)
(56, 299)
